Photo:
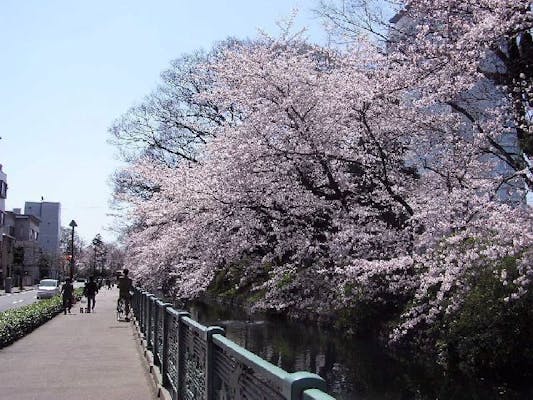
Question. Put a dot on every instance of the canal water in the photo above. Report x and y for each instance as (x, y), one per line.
(353, 369)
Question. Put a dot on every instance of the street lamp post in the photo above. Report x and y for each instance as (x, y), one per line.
(72, 224)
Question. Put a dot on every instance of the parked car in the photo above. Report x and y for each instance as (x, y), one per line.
(48, 288)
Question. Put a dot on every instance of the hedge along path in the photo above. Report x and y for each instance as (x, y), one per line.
(16, 323)
(86, 356)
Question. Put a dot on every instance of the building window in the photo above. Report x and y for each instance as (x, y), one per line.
(2, 218)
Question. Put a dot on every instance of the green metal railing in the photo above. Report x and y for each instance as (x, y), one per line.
(199, 363)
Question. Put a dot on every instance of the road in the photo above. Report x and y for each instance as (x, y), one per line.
(17, 300)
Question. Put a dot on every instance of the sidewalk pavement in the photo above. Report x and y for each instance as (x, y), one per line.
(77, 356)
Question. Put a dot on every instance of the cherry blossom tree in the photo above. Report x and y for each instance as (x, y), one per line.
(472, 59)
(170, 125)
(454, 45)
(305, 194)
(334, 178)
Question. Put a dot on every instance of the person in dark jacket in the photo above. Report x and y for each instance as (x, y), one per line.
(91, 288)
(67, 291)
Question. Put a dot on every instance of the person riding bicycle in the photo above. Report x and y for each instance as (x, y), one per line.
(124, 287)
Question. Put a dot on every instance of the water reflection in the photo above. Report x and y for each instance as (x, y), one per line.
(353, 369)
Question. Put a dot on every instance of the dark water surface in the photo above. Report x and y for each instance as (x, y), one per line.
(354, 369)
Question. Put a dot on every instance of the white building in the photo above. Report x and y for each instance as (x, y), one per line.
(49, 213)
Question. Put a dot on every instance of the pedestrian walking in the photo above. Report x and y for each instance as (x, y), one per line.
(91, 288)
(67, 290)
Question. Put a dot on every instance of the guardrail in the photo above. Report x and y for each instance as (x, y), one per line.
(199, 363)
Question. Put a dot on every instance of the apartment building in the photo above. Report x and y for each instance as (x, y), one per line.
(5, 239)
(26, 254)
(49, 214)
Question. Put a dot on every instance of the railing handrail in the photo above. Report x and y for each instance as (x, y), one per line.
(250, 359)
(225, 366)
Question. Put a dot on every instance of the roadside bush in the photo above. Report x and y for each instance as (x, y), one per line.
(16, 323)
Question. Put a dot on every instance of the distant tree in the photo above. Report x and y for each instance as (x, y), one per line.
(98, 253)
(65, 242)
(115, 258)
(45, 263)
(170, 127)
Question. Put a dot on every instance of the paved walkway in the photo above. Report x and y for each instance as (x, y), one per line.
(77, 356)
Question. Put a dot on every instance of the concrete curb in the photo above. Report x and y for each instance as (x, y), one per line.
(155, 373)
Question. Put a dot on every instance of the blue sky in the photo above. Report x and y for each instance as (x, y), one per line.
(69, 68)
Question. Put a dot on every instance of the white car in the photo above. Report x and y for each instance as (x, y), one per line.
(79, 283)
(47, 288)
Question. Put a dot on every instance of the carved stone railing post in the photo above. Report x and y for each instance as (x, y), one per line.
(297, 382)
(209, 375)
(164, 357)
(144, 312)
(181, 351)
(148, 334)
